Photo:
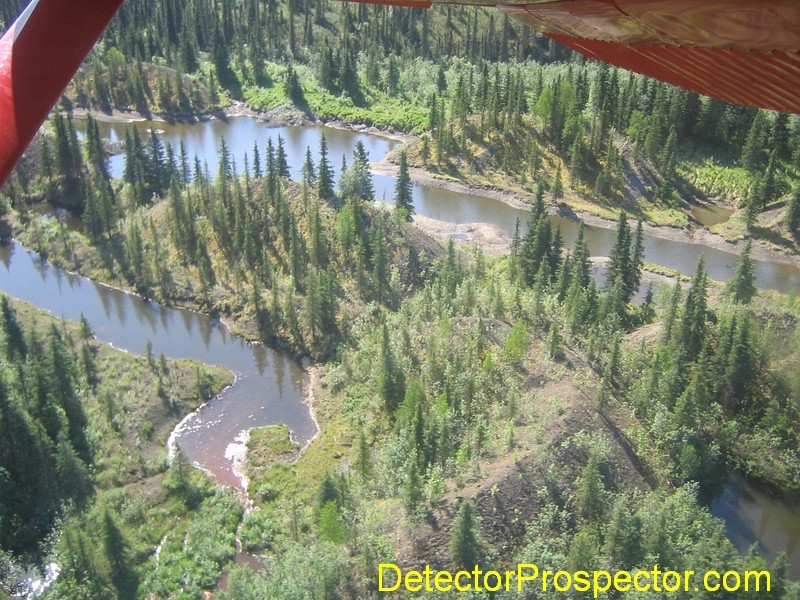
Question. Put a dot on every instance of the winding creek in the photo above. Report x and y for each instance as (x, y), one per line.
(268, 387)
(269, 384)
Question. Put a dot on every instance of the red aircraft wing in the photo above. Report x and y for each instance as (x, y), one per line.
(740, 51)
(39, 54)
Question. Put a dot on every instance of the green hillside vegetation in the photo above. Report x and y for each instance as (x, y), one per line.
(573, 448)
(290, 262)
(496, 105)
(473, 84)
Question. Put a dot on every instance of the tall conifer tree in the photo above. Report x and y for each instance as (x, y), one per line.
(403, 197)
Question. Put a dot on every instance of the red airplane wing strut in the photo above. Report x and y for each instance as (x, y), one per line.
(39, 54)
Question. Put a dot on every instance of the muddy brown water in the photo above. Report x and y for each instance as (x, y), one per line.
(269, 384)
(709, 215)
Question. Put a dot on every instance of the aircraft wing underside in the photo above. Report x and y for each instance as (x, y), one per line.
(39, 54)
(740, 51)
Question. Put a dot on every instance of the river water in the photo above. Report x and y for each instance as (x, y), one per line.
(269, 384)
(751, 515)
(240, 133)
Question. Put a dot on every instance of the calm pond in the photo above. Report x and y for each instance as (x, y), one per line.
(269, 384)
(709, 214)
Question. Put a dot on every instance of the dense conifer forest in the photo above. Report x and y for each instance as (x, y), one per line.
(473, 409)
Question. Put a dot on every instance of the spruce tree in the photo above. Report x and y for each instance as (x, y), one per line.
(637, 258)
(363, 464)
(465, 548)
(328, 492)
(294, 90)
(588, 498)
(95, 151)
(349, 77)
(693, 325)
(257, 173)
(158, 164)
(581, 263)
(360, 153)
(558, 184)
(667, 159)
(308, 169)
(403, 197)
(412, 489)
(741, 287)
(188, 46)
(576, 160)
(391, 380)
(74, 480)
(741, 367)
(272, 172)
(115, 546)
(755, 201)
(13, 345)
(756, 141)
(281, 162)
(330, 525)
(327, 70)
(513, 259)
(793, 211)
(225, 171)
(619, 259)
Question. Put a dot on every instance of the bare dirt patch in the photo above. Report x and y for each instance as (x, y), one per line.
(488, 237)
(508, 490)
